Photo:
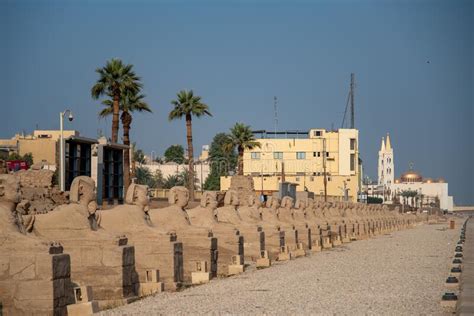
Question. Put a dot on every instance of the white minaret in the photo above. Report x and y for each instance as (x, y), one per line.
(386, 168)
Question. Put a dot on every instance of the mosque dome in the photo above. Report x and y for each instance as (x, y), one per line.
(411, 176)
(429, 180)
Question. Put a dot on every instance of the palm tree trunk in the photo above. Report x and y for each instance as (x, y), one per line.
(126, 123)
(240, 168)
(115, 117)
(189, 136)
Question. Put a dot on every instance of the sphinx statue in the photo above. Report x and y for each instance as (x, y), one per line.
(251, 211)
(155, 247)
(222, 222)
(14, 210)
(93, 251)
(82, 192)
(228, 213)
(198, 241)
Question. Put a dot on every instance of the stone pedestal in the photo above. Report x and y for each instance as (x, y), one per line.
(237, 265)
(263, 261)
(201, 275)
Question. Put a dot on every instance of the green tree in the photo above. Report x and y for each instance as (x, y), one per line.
(130, 102)
(115, 80)
(139, 156)
(175, 153)
(146, 177)
(188, 105)
(241, 136)
(222, 159)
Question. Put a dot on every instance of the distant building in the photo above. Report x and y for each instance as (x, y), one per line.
(42, 144)
(304, 158)
(411, 188)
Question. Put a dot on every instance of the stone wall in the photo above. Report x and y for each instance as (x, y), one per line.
(35, 178)
(35, 283)
(37, 188)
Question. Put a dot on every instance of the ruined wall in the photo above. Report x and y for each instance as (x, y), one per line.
(244, 186)
(35, 282)
(37, 188)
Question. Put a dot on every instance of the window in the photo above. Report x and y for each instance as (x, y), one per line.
(314, 154)
(327, 153)
(300, 155)
(255, 155)
(277, 155)
(317, 133)
(353, 144)
(329, 178)
(353, 162)
(297, 179)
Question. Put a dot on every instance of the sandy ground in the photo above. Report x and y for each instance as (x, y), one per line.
(398, 274)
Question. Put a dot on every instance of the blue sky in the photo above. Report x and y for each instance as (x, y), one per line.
(239, 54)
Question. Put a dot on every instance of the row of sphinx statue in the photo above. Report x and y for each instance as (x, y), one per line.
(115, 251)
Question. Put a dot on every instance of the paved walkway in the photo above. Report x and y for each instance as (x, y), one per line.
(398, 274)
(466, 299)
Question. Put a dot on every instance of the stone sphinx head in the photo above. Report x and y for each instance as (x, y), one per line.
(301, 205)
(83, 192)
(273, 203)
(231, 198)
(9, 189)
(209, 200)
(252, 200)
(287, 202)
(178, 196)
(137, 194)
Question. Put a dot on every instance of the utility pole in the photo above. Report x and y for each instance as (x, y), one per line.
(352, 100)
(324, 172)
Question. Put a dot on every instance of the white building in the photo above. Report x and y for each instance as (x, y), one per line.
(410, 188)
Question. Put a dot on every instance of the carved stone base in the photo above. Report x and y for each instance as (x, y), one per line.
(82, 309)
(236, 269)
(200, 277)
(151, 288)
(263, 263)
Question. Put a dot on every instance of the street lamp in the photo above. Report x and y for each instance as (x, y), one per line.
(62, 184)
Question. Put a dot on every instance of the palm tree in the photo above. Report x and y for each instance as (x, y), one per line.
(130, 102)
(241, 136)
(115, 79)
(188, 105)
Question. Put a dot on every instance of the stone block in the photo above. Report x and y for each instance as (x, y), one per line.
(150, 288)
(83, 294)
(20, 263)
(299, 251)
(82, 309)
(284, 254)
(35, 290)
(200, 277)
(201, 266)
(263, 263)
(152, 276)
(235, 269)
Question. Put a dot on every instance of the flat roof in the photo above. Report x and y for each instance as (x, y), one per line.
(81, 139)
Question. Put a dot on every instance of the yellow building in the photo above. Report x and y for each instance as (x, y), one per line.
(42, 144)
(305, 161)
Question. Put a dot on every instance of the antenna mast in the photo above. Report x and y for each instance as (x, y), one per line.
(275, 114)
(352, 100)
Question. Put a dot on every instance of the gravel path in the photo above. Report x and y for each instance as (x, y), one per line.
(398, 274)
